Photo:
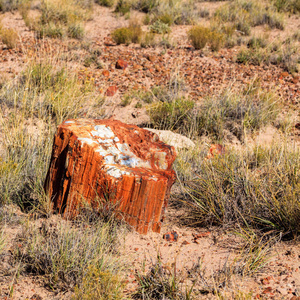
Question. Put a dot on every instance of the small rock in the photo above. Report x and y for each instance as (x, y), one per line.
(121, 64)
(151, 58)
(201, 235)
(176, 140)
(105, 73)
(215, 149)
(171, 236)
(185, 243)
(111, 91)
(284, 74)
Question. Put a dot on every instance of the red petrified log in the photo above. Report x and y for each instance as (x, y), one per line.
(106, 159)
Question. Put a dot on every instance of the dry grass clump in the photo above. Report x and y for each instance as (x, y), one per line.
(232, 113)
(31, 107)
(292, 6)
(70, 254)
(168, 12)
(200, 36)
(161, 282)
(285, 55)
(257, 188)
(175, 12)
(174, 115)
(237, 112)
(127, 35)
(2, 241)
(101, 285)
(246, 14)
(9, 37)
(59, 18)
(9, 5)
(146, 6)
(107, 3)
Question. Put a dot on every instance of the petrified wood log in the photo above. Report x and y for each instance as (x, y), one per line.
(107, 159)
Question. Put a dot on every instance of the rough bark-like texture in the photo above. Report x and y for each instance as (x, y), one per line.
(94, 160)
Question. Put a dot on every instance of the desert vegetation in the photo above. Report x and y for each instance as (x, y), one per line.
(218, 72)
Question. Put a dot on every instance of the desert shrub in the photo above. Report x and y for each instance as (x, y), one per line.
(2, 242)
(257, 42)
(159, 27)
(166, 19)
(200, 36)
(245, 14)
(69, 254)
(173, 115)
(254, 56)
(29, 111)
(50, 30)
(148, 40)
(161, 283)
(176, 12)
(121, 35)
(127, 35)
(107, 3)
(9, 37)
(257, 188)
(285, 55)
(292, 6)
(146, 6)
(59, 18)
(236, 112)
(75, 31)
(9, 5)
(123, 7)
(100, 285)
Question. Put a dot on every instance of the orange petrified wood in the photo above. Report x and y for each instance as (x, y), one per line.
(107, 159)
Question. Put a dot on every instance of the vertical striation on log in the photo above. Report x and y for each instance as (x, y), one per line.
(107, 159)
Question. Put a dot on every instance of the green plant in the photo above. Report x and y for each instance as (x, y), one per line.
(9, 5)
(175, 115)
(146, 6)
(123, 7)
(59, 18)
(75, 31)
(257, 42)
(236, 112)
(161, 283)
(257, 188)
(159, 27)
(107, 3)
(292, 6)
(126, 100)
(69, 255)
(32, 107)
(245, 14)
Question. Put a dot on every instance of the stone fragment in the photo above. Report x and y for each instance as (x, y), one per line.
(176, 140)
(171, 236)
(105, 73)
(215, 149)
(93, 160)
(121, 64)
(111, 91)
